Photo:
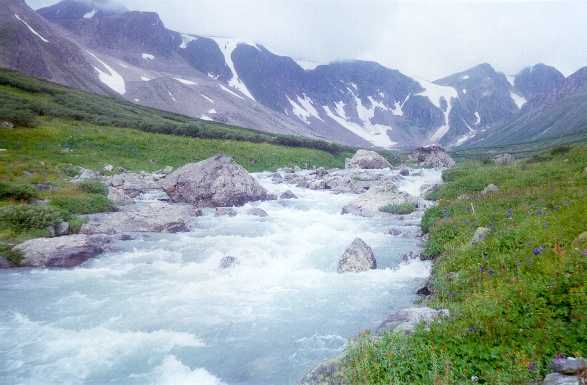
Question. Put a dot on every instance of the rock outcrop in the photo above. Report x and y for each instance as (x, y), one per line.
(129, 187)
(370, 203)
(68, 251)
(157, 217)
(432, 157)
(364, 159)
(358, 257)
(504, 159)
(567, 371)
(215, 182)
(330, 372)
(406, 320)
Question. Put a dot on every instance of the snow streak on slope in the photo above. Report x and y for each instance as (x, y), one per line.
(185, 40)
(376, 134)
(91, 14)
(436, 94)
(227, 46)
(186, 82)
(519, 100)
(148, 56)
(31, 29)
(230, 91)
(111, 78)
(304, 108)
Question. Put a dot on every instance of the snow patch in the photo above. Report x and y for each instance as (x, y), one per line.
(378, 138)
(111, 78)
(230, 91)
(145, 79)
(91, 14)
(464, 91)
(31, 29)
(304, 108)
(148, 56)
(477, 118)
(185, 40)
(207, 98)
(518, 99)
(511, 79)
(435, 94)
(308, 65)
(206, 117)
(212, 111)
(172, 96)
(465, 77)
(136, 100)
(212, 76)
(186, 82)
(227, 46)
(397, 109)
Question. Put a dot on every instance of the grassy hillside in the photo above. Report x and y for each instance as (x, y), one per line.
(517, 299)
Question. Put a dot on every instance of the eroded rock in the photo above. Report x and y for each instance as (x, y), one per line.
(358, 257)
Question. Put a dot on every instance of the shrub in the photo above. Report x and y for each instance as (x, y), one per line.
(29, 217)
(13, 256)
(17, 192)
(399, 209)
(75, 225)
(430, 217)
(93, 187)
(83, 204)
(560, 150)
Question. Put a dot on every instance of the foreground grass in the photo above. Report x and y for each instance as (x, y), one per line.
(517, 299)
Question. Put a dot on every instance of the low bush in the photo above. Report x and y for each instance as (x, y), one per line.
(17, 192)
(29, 217)
(399, 209)
(11, 255)
(92, 187)
(83, 204)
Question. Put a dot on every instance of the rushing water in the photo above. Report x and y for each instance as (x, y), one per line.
(160, 311)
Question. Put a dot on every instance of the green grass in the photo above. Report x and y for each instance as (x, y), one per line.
(517, 299)
(399, 209)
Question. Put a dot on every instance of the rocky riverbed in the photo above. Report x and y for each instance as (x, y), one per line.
(215, 276)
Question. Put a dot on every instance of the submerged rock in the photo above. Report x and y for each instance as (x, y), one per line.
(214, 182)
(68, 251)
(158, 217)
(432, 157)
(370, 203)
(288, 195)
(406, 320)
(404, 172)
(228, 262)
(358, 257)
(367, 160)
(225, 211)
(255, 211)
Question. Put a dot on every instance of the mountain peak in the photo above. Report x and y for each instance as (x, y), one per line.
(78, 9)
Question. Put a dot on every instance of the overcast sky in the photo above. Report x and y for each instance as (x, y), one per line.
(423, 38)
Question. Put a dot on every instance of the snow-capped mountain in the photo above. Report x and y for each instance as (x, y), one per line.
(105, 48)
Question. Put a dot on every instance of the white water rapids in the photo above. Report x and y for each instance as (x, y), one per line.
(160, 311)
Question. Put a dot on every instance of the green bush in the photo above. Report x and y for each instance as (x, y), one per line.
(17, 192)
(430, 217)
(399, 209)
(13, 256)
(83, 204)
(93, 187)
(560, 150)
(30, 217)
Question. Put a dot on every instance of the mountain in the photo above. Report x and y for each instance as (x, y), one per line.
(132, 54)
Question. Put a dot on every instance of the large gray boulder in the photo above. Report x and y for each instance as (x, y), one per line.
(370, 203)
(561, 379)
(129, 187)
(152, 217)
(569, 365)
(367, 160)
(214, 182)
(357, 257)
(406, 320)
(432, 157)
(68, 251)
(504, 159)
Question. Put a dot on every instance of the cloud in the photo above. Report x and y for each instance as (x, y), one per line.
(425, 38)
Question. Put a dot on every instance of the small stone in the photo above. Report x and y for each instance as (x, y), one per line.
(225, 211)
(5, 124)
(288, 195)
(108, 168)
(480, 235)
(228, 262)
(580, 243)
(404, 172)
(276, 178)
(257, 212)
(490, 189)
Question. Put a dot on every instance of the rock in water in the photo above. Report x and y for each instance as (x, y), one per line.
(433, 157)
(225, 211)
(330, 372)
(257, 212)
(357, 257)
(228, 262)
(288, 195)
(68, 251)
(214, 182)
(370, 203)
(367, 160)
(406, 320)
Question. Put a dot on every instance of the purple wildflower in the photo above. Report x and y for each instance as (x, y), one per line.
(538, 250)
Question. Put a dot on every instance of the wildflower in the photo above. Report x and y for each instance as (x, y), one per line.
(538, 250)
(474, 379)
(532, 367)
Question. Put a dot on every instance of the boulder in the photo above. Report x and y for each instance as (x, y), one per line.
(370, 203)
(257, 212)
(215, 182)
(481, 233)
(561, 379)
(68, 251)
(406, 320)
(5, 124)
(228, 262)
(129, 187)
(504, 159)
(288, 195)
(357, 257)
(569, 365)
(276, 178)
(330, 372)
(432, 157)
(157, 217)
(404, 172)
(367, 160)
(225, 211)
(85, 174)
(491, 188)
(58, 230)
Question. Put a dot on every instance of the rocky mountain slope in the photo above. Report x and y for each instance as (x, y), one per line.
(134, 55)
